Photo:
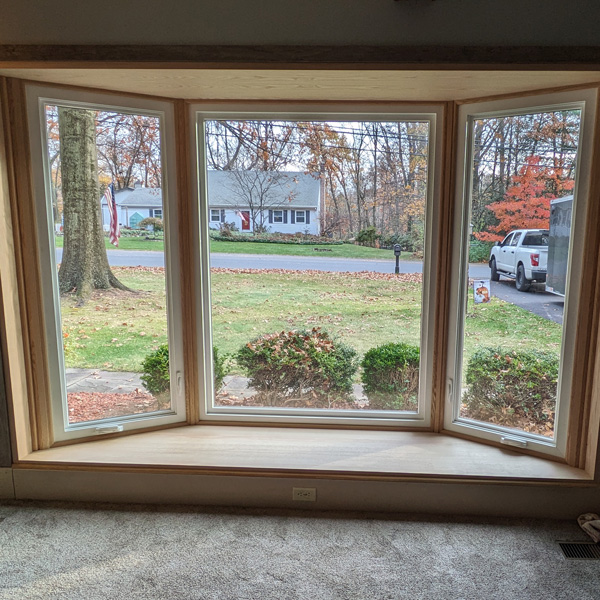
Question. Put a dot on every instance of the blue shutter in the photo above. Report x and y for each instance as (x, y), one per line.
(285, 216)
(270, 216)
(308, 217)
(293, 213)
(222, 215)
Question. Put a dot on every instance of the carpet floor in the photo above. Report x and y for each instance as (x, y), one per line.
(90, 552)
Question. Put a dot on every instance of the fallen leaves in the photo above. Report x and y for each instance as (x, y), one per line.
(91, 406)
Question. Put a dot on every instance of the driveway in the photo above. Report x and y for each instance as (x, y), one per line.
(536, 301)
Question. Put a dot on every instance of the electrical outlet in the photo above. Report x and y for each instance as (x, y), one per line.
(304, 494)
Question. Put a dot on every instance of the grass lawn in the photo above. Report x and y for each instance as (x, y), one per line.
(337, 251)
(125, 243)
(115, 331)
(330, 251)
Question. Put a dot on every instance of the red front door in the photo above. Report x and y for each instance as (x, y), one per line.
(245, 220)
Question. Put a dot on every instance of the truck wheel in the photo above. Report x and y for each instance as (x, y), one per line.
(521, 282)
(494, 275)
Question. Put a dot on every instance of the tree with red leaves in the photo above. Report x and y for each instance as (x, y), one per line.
(526, 203)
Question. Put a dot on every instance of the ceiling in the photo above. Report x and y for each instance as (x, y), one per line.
(269, 84)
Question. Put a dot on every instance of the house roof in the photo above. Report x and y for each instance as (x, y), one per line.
(138, 198)
(289, 189)
(230, 189)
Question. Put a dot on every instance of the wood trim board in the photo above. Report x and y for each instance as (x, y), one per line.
(302, 56)
(312, 451)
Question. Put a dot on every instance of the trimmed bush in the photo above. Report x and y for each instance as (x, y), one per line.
(479, 252)
(391, 376)
(367, 236)
(509, 387)
(301, 239)
(154, 222)
(219, 368)
(293, 365)
(155, 367)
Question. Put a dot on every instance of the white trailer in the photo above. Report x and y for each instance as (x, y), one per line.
(561, 212)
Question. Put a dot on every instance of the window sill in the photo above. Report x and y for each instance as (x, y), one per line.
(315, 452)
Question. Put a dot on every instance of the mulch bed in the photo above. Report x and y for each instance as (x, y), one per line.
(90, 406)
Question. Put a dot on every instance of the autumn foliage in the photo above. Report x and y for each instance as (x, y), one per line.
(526, 203)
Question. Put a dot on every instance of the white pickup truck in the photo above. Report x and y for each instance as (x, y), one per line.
(523, 256)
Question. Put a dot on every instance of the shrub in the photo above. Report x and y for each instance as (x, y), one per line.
(155, 367)
(227, 229)
(367, 236)
(154, 222)
(219, 368)
(292, 365)
(479, 251)
(508, 386)
(297, 238)
(391, 376)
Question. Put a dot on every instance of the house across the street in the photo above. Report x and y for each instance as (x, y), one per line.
(133, 205)
(283, 202)
(287, 202)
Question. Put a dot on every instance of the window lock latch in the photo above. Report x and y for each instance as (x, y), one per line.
(102, 429)
(513, 441)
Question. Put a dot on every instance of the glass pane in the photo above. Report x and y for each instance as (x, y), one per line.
(104, 185)
(522, 179)
(311, 307)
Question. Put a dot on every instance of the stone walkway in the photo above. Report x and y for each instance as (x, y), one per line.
(94, 380)
(119, 382)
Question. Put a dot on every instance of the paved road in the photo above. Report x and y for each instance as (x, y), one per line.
(537, 301)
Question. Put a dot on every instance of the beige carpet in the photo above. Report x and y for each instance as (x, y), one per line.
(89, 552)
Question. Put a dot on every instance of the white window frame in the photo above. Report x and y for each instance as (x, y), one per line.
(38, 96)
(215, 210)
(586, 101)
(299, 213)
(278, 216)
(157, 210)
(434, 114)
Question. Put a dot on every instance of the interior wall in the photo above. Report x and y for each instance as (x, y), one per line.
(310, 22)
(5, 452)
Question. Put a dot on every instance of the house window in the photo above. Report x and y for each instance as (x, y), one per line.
(303, 337)
(512, 374)
(215, 215)
(134, 220)
(157, 213)
(114, 356)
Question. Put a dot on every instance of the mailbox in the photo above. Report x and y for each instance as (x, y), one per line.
(397, 249)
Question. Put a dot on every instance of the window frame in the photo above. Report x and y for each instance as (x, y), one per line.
(435, 114)
(218, 211)
(37, 97)
(298, 213)
(587, 101)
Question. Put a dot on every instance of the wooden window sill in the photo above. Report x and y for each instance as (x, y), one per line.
(315, 452)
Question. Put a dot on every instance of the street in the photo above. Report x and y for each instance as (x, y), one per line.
(537, 301)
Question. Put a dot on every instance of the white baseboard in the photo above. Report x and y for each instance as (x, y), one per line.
(551, 501)
(7, 488)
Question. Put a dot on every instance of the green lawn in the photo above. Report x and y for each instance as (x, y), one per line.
(114, 331)
(334, 251)
(125, 243)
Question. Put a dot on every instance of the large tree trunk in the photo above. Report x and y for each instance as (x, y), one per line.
(84, 265)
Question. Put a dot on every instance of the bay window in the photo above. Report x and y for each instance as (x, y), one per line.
(439, 203)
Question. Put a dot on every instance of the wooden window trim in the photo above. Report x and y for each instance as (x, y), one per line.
(31, 430)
